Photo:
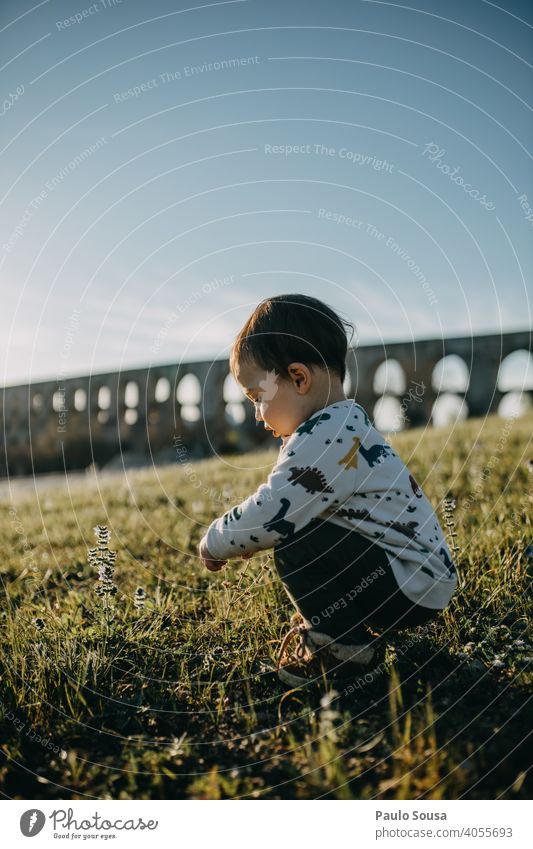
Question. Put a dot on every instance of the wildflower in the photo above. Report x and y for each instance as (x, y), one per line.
(497, 663)
(452, 501)
(139, 598)
(469, 646)
(103, 535)
(449, 505)
(39, 623)
(103, 559)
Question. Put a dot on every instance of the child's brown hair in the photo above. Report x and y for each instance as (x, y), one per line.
(293, 328)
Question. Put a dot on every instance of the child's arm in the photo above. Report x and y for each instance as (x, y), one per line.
(313, 472)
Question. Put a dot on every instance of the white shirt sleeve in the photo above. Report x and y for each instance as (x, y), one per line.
(315, 470)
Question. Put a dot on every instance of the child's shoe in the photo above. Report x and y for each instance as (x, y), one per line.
(318, 655)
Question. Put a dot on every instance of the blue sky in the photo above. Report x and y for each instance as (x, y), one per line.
(168, 165)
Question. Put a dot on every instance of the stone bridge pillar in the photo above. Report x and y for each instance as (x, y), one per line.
(419, 397)
(482, 395)
(213, 406)
(486, 355)
(361, 365)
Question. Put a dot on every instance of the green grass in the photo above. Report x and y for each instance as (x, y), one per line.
(172, 701)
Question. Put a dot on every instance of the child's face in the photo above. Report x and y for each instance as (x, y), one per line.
(280, 403)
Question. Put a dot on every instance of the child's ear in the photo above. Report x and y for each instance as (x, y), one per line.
(300, 375)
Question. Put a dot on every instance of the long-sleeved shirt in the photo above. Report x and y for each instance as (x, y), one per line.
(337, 466)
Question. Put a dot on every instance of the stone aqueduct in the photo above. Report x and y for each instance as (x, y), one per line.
(51, 425)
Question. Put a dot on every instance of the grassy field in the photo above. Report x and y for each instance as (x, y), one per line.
(168, 696)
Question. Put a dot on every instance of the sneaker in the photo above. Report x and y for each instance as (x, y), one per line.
(318, 656)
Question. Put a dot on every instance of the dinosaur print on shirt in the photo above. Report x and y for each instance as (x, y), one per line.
(374, 454)
(312, 480)
(307, 427)
(449, 565)
(232, 515)
(278, 523)
(350, 458)
(414, 486)
(364, 414)
(350, 513)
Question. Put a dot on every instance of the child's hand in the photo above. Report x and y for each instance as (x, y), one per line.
(208, 561)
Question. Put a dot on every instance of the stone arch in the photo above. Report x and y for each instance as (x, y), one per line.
(104, 397)
(80, 400)
(103, 401)
(450, 380)
(447, 409)
(387, 414)
(131, 402)
(234, 398)
(450, 375)
(162, 390)
(131, 394)
(189, 396)
(516, 372)
(514, 404)
(389, 378)
(131, 415)
(58, 400)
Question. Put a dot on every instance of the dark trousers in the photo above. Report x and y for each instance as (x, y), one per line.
(340, 582)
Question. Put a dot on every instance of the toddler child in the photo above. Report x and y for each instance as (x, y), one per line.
(356, 543)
